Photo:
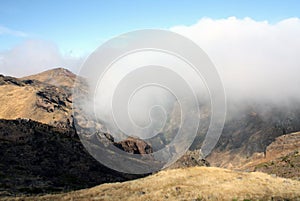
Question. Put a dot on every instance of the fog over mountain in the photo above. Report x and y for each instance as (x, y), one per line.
(149, 100)
(256, 59)
(257, 62)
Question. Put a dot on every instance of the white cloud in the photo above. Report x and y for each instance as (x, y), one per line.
(33, 56)
(255, 58)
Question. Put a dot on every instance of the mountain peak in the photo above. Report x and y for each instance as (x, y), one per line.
(57, 76)
(59, 70)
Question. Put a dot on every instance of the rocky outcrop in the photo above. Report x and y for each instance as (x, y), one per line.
(51, 98)
(189, 159)
(44, 104)
(134, 146)
(5, 80)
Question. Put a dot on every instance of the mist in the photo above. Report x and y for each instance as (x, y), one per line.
(256, 60)
(34, 56)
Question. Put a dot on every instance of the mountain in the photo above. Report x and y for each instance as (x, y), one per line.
(197, 183)
(45, 97)
(57, 77)
(42, 152)
(250, 128)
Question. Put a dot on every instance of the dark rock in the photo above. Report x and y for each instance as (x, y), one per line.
(190, 159)
(134, 146)
(51, 98)
(10, 80)
(29, 82)
(45, 104)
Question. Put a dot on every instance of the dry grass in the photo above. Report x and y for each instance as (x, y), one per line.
(19, 102)
(16, 101)
(198, 183)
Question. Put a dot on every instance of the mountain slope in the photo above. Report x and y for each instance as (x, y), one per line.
(38, 158)
(36, 100)
(198, 183)
(282, 157)
(287, 166)
(248, 132)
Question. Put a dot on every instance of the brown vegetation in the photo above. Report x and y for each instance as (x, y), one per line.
(197, 183)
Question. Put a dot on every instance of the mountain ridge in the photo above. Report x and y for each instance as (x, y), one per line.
(32, 98)
(56, 76)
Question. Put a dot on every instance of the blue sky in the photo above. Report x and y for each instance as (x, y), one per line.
(78, 26)
(247, 40)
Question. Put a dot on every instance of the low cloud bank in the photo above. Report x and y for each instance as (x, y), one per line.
(256, 59)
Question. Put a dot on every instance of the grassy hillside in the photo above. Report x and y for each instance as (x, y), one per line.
(287, 166)
(197, 183)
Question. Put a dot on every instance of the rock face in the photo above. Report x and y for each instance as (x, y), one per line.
(51, 98)
(38, 158)
(130, 145)
(134, 146)
(189, 159)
